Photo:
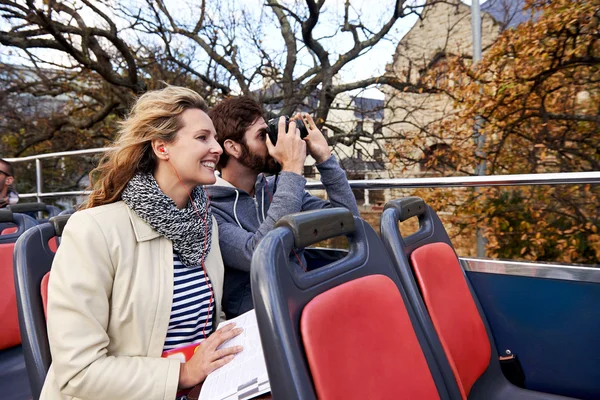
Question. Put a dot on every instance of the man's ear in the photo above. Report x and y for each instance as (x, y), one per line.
(9, 180)
(232, 148)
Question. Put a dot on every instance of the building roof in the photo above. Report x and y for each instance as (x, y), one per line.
(365, 107)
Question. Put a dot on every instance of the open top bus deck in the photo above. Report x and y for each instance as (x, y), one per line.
(538, 326)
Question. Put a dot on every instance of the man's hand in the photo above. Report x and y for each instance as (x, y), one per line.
(317, 143)
(290, 150)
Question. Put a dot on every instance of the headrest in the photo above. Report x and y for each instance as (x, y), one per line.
(310, 227)
(28, 207)
(59, 223)
(6, 215)
(407, 207)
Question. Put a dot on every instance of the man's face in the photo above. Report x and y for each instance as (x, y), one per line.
(255, 154)
(5, 178)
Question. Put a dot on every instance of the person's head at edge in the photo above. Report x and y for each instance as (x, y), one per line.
(165, 126)
(6, 179)
(241, 132)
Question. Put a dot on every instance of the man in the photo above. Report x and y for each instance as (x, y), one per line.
(247, 203)
(7, 195)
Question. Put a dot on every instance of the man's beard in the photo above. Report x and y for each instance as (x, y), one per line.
(267, 164)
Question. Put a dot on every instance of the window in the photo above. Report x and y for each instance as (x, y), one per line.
(359, 126)
(378, 154)
(377, 128)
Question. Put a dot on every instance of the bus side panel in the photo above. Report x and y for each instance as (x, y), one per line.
(553, 326)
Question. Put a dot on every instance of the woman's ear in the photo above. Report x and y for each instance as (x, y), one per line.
(232, 148)
(159, 147)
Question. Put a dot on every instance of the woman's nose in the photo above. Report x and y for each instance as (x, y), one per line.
(216, 148)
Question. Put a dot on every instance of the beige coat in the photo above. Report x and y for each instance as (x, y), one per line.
(110, 297)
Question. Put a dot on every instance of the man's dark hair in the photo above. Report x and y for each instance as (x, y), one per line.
(9, 168)
(231, 118)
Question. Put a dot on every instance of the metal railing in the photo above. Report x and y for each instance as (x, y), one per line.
(484, 265)
(367, 184)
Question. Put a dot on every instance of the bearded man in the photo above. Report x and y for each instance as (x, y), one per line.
(260, 183)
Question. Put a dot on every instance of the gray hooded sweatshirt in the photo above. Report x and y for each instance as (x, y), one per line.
(244, 221)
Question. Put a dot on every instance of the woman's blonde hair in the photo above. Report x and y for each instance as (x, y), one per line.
(156, 115)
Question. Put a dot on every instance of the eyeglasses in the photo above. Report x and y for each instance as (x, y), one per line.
(5, 173)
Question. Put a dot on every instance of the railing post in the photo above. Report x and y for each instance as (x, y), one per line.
(367, 202)
(38, 178)
(477, 135)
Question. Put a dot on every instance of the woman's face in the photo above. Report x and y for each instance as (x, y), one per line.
(195, 151)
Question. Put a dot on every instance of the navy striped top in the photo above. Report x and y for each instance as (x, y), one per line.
(191, 297)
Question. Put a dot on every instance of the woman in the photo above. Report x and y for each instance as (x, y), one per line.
(139, 270)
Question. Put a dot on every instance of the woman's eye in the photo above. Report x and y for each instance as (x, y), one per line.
(203, 137)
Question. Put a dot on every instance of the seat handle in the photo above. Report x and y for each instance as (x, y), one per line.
(407, 207)
(309, 227)
(59, 223)
(27, 207)
(6, 215)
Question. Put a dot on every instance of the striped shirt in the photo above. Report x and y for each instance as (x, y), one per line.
(191, 297)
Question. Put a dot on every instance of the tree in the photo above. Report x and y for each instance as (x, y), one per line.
(221, 49)
(87, 60)
(536, 96)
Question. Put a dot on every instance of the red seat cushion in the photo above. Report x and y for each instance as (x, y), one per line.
(360, 344)
(9, 230)
(44, 292)
(453, 312)
(9, 334)
(53, 244)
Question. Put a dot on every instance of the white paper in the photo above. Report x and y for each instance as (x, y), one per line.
(245, 376)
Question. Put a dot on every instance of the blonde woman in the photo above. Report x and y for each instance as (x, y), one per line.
(139, 270)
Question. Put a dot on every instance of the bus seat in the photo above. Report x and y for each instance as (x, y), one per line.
(33, 208)
(13, 374)
(9, 334)
(343, 330)
(446, 306)
(32, 261)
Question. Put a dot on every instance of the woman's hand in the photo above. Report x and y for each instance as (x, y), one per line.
(207, 358)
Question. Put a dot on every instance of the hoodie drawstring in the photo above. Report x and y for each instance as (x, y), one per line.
(263, 203)
(237, 196)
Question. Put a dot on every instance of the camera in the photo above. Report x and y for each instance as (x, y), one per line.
(273, 128)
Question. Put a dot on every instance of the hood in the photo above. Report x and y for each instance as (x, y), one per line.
(227, 200)
(221, 189)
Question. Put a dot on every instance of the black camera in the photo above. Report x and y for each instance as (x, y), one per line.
(273, 128)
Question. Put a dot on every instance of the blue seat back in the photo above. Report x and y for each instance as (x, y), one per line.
(32, 261)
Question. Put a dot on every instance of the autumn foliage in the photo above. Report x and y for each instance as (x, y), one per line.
(535, 97)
